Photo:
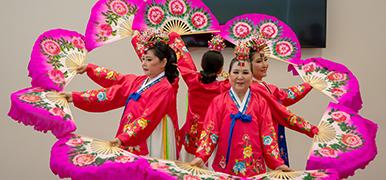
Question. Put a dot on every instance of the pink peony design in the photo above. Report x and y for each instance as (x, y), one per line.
(352, 140)
(57, 112)
(159, 166)
(124, 159)
(309, 67)
(338, 91)
(190, 177)
(83, 159)
(156, 15)
(199, 20)
(318, 174)
(56, 76)
(38, 89)
(284, 48)
(105, 30)
(119, 7)
(269, 30)
(340, 116)
(177, 7)
(50, 47)
(336, 76)
(74, 142)
(328, 152)
(78, 42)
(242, 30)
(30, 98)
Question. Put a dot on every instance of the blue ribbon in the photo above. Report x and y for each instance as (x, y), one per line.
(133, 96)
(244, 118)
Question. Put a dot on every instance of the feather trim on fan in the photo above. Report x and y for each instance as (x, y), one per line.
(346, 142)
(43, 109)
(81, 157)
(54, 59)
(110, 21)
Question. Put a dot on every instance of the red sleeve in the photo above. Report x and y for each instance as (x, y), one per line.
(210, 133)
(286, 118)
(142, 127)
(292, 94)
(185, 62)
(101, 100)
(103, 76)
(269, 138)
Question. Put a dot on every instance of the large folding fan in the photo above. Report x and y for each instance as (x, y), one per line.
(181, 16)
(346, 142)
(329, 174)
(55, 58)
(110, 21)
(282, 43)
(81, 157)
(333, 79)
(45, 110)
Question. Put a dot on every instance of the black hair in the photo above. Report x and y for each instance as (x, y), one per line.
(162, 50)
(211, 64)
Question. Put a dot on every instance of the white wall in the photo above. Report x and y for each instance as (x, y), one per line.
(355, 37)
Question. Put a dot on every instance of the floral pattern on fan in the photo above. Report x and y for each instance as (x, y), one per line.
(55, 57)
(38, 98)
(347, 138)
(281, 42)
(269, 29)
(298, 175)
(91, 152)
(110, 21)
(284, 48)
(178, 8)
(182, 170)
(180, 16)
(337, 82)
(242, 29)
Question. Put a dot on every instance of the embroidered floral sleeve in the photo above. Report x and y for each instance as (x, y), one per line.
(209, 135)
(185, 61)
(285, 118)
(101, 100)
(136, 130)
(103, 76)
(269, 140)
(294, 94)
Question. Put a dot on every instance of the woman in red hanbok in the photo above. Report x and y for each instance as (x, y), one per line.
(239, 123)
(147, 99)
(201, 91)
(286, 97)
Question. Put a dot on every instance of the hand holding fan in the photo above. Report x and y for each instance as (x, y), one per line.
(346, 142)
(56, 56)
(181, 16)
(332, 79)
(45, 110)
(110, 21)
(279, 41)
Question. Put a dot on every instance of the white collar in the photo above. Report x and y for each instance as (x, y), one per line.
(147, 82)
(241, 104)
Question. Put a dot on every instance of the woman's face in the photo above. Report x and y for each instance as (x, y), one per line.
(240, 76)
(152, 65)
(260, 66)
